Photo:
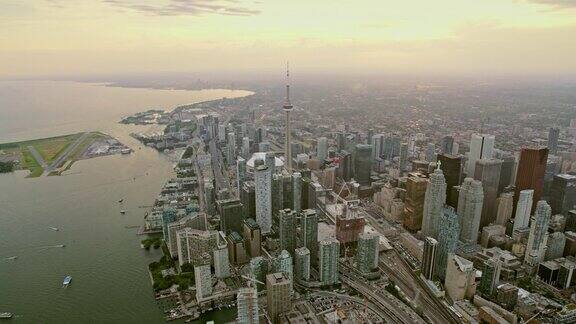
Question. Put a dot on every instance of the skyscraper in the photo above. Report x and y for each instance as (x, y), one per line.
(523, 207)
(203, 278)
(247, 301)
(429, 257)
(470, 201)
(530, 175)
(490, 276)
(451, 166)
(431, 152)
(302, 264)
(258, 270)
(253, 237)
(322, 149)
(368, 251)
(460, 280)
(414, 203)
(309, 230)
(447, 144)
(221, 258)
(263, 189)
(278, 295)
(240, 173)
(447, 240)
(363, 164)
(328, 267)
(231, 215)
(504, 208)
(434, 201)
(231, 147)
(488, 172)
(287, 229)
(377, 143)
(287, 107)
(538, 237)
(553, 135)
(168, 216)
(555, 248)
(481, 147)
(297, 191)
(284, 265)
(563, 194)
(403, 157)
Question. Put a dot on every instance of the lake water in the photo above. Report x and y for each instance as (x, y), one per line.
(110, 281)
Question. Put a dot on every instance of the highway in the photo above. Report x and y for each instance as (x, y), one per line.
(221, 177)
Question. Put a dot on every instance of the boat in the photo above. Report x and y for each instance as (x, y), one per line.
(12, 257)
(66, 281)
(122, 212)
(60, 245)
(54, 228)
(121, 200)
(6, 315)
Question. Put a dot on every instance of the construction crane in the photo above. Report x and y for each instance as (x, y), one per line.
(252, 280)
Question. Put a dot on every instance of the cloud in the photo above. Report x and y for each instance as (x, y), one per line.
(556, 3)
(187, 7)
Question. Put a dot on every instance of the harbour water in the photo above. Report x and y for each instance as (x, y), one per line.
(102, 252)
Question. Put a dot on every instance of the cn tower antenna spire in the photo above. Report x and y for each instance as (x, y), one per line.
(288, 84)
(287, 107)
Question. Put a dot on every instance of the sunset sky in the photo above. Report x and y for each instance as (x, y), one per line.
(85, 37)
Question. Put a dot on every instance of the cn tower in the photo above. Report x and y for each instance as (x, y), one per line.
(288, 109)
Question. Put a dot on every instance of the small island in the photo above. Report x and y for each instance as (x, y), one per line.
(54, 155)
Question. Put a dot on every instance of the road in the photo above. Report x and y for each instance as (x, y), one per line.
(64, 156)
(221, 177)
(38, 157)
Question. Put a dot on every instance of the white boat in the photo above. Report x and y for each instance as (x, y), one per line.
(12, 257)
(66, 281)
(54, 228)
(6, 315)
(60, 246)
(122, 212)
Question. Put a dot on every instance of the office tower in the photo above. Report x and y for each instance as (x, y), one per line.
(247, 301)
(367, 253)
(414, 202)
(570, 221)
(553, 135)
(231, 215)
(429, 257)
(481, 147)
(403, 162)
(221, 259)
(245, 147)
(302, 264)
(328, 267)
(236, 249)
(287, 107)
(530, 175)
(287, 229)
(460, 278)
(490, 276)
(349, 225)
(447, 240)
(488, 172)
(309, 230)
(470, 200)
(363, 164)
(538, 237)
(297, 191)
(287, 191)
(231, 148)
(240, 173)
(507, 296)
(278, 295)
(248, 199)
(197, 221)
(194, 244)
(222, 133)
(523, 207)
(322, 149)
(555, 248)
(284, 265)
(168, 216)
(341, 141)
(506, 172)
(434, 201)
(504, 208)
(258, 270)
(563, 194)
(209, 203)
(377, 143)
(263, 180)
(430, 152)
(451, 166)
(277, 193)
(252, 236)
(369, 136)
(447, 144)
(566, 274)
(203, 278)
(345, 169)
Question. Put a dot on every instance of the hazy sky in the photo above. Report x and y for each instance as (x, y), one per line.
(57, 37)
